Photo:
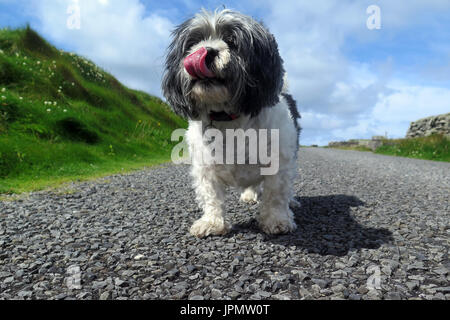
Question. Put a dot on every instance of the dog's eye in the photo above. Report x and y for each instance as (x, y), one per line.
(231, 42)
(189, 44)
(192, 40)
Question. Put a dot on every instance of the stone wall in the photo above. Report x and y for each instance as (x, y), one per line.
(431, 125)
(371, 144)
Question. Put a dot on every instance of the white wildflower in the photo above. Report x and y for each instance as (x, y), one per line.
(49, 110)
(55, 103)
(65, 110)
(3, 89)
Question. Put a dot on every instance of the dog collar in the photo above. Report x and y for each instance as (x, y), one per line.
(222, 116)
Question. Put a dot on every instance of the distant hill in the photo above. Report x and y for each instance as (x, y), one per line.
(62, 117)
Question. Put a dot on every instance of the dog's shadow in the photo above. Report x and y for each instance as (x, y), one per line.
(326, 226)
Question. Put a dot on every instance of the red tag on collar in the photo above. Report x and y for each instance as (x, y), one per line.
(222, 116)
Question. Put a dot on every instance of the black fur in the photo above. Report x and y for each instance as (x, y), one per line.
(172, 85)
(295, 115)
(254, 76)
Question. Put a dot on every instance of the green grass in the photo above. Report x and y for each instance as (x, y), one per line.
(354, 148)
(63, 118)
(435, 147)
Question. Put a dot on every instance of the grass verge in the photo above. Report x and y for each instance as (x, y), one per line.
(75, 173)
(435, 147)
(63, 118)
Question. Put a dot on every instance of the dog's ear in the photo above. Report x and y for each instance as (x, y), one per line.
(172, 84)
(264, 68)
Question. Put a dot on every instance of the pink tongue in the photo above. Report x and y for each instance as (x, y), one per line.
(196, 66)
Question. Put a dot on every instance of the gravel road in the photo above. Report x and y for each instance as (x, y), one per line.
(370, 227)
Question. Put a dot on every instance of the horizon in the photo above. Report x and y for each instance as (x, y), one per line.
(350, 81)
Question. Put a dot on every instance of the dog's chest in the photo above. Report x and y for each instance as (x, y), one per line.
(239, 175)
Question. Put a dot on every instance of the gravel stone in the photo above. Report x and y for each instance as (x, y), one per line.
(8, 280)
(354, 296)
(363, 216)
(60, 296)
(337, 289)
(322, 283)
(99, 284)
(105, 295)
(216, 294)
(25, 294)
(412, 285)
(234, 294)
(393, 296)
(264, 294)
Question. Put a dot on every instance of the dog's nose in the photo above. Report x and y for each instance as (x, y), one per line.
(212, 54)
(197, 64)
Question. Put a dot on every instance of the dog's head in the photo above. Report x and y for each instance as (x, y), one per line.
(222, 62)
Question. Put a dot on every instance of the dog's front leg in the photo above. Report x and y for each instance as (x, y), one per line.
(210, 196)
(275, 215)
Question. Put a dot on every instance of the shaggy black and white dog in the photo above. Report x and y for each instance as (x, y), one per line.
(224, 71)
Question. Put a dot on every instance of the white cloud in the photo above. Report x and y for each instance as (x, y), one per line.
(339, 98)
(118, 35)
(393, 113)
(318, 121)
(409, 103)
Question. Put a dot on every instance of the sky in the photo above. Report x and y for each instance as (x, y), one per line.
(349, 81)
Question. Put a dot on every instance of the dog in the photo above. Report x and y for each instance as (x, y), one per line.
(223, 70)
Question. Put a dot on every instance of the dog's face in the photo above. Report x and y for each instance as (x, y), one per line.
(222, 61)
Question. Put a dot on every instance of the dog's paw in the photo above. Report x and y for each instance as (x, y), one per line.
(204, 227)
(278, 223)
(249, 196)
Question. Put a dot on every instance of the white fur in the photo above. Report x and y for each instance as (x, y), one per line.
(251, 194)
(216, 94)
(274, 193)
(210, 181)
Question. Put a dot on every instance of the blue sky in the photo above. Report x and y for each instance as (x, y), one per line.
(350, 82)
